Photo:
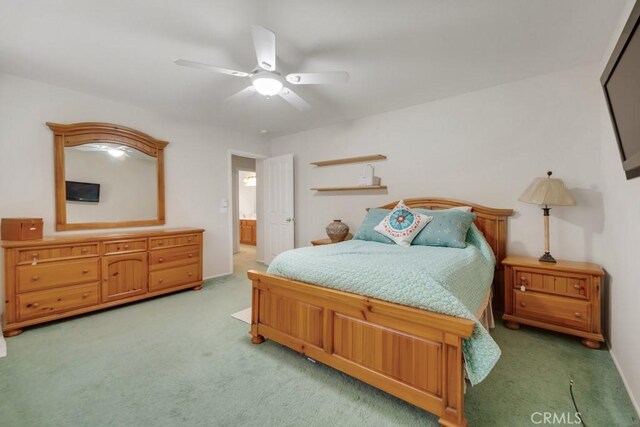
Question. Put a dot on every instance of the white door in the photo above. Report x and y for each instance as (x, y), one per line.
(278, 206)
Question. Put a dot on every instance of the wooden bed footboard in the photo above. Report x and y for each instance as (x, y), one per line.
(410, 353)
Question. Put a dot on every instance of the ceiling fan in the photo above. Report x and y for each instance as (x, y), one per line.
(265, 79)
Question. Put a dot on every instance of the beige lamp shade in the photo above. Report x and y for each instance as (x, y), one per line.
(547, 191)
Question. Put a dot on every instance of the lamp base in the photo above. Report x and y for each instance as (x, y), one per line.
(547, 258)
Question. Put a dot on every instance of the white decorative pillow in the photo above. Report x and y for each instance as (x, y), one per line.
(402, 224)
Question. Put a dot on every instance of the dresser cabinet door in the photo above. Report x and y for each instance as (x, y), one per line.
(124, 276)
(245, 234)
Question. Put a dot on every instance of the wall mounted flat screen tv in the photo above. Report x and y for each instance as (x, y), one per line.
(621, 83)
(82, 191)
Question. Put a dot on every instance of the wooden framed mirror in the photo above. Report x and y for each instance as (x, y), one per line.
(107, 176)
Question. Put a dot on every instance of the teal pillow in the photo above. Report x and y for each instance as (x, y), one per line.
(366, 230)
(447, 228)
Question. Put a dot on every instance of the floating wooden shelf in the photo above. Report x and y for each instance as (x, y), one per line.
(354, 188)
(350, 160)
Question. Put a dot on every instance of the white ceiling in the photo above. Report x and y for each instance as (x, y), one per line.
(399, 53)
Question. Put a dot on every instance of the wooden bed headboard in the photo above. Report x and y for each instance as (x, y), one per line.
(491, 221)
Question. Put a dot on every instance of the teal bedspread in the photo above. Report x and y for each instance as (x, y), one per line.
(443, 280)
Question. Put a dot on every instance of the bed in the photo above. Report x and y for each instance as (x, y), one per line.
(413, 353)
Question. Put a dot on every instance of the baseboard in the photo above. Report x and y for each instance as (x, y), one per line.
(634, 402)
(3, 347)
(217, 276)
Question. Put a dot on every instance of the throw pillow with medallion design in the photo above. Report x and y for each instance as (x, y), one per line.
(402, 224)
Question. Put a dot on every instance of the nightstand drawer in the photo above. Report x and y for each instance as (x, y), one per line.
(561, 311)
(573, 285)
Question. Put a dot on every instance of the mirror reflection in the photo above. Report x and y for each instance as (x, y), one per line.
(107, 182)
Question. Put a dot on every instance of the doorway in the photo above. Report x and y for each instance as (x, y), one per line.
(244, 210)
(245, 244)
(273, 231)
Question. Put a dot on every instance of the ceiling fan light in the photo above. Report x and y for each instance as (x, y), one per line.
(267, 86)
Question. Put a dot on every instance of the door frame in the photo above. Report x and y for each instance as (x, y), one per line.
(231, 197)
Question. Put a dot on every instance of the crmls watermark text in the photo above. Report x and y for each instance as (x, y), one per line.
(562, 418)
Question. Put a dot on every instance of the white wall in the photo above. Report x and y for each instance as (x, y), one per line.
(622, 243)
(246, 196)
(128, 186)
(483, 147)
(195, 171)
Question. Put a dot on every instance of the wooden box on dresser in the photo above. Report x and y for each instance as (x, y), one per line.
(59, 277)
(563, 297)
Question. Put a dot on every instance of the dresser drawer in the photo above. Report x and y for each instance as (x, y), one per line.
(35, 255)
(169, 258)
(553, 309)
(163, 279)
(52, 274)
(167, 242)
(44, 303)
(125, 246)
(573, 285)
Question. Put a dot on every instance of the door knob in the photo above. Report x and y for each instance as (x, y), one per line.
(289, 220)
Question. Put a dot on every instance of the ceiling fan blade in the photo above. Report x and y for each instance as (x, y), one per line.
(265, 44)
(329, 77)
(239, 96)
(292, 98)
(193, 64)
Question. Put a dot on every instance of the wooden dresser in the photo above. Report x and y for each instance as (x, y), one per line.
(564, 297)
(59, 277)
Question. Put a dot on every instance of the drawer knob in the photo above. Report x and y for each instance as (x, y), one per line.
(126, 246)
(578, 315)
(85, 271)
(35, 305)
(578, 287)
(160, 243)
(189, 239)
(522, 304)
(35, 278)
(84, 250)
(86, 294)
(160, 259)
(161, 280)
(523, 281)
(190, 255)
(189, 274)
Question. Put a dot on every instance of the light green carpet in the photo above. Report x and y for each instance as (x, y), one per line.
(182, 360)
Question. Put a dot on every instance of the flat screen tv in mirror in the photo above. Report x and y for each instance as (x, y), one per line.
(82, 191)
(621, 83)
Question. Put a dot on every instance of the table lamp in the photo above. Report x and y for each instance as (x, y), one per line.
(547, 192)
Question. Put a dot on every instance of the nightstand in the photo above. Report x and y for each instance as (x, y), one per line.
(328, 241)
(563, 297)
